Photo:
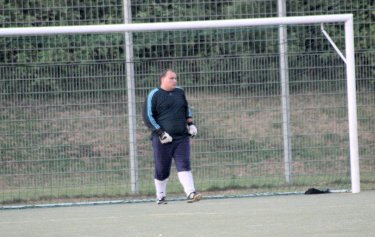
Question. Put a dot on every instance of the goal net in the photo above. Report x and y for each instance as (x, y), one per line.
(274, 114)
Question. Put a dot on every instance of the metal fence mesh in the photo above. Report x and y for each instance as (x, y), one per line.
(64, 123)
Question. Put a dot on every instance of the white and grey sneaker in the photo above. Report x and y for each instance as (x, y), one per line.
(194, 197)
(163, 200)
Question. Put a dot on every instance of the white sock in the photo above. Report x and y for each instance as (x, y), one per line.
(161, 188)
(186, 179)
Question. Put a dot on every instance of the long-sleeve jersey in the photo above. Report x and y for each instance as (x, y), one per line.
(167, 110)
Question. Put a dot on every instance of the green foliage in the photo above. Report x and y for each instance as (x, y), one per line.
(59, 12)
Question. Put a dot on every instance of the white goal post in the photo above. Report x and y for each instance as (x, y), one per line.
(347, 19)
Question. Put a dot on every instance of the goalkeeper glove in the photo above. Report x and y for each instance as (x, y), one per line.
(164, 137)
(192, 129)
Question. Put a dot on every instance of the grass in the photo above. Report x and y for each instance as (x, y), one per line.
(79, 149)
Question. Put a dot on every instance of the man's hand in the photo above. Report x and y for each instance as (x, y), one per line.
(164, 137)
(192, 129)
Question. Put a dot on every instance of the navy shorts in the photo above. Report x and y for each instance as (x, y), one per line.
(179, 150)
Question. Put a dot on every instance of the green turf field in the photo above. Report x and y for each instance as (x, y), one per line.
(335, 214)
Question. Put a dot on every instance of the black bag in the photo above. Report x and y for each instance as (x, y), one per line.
(316, 191)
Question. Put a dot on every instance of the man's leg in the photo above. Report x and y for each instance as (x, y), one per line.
(161, 190)
(162, 166)
(185, 176)
(186, 179)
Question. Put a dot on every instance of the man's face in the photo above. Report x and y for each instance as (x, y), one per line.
(169, 81)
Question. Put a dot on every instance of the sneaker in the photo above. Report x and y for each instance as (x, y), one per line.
(163, 200)
(194, 197)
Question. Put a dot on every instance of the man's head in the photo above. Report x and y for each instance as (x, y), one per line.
(168, 80)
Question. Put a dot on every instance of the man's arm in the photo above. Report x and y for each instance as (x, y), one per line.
(192, 129)
(189, 120)
(148, 115)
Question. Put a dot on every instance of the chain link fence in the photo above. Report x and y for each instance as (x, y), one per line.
(64, 100)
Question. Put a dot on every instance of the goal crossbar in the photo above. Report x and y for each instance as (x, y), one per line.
(163, 26)
(347, 19)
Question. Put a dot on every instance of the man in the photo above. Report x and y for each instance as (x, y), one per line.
(167, 114)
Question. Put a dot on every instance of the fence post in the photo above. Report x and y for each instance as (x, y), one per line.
(131, 100)
(284, 77)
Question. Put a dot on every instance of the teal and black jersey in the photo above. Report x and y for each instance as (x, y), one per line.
(167, 110)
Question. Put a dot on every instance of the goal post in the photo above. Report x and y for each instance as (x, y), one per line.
(352, 105)
(347, 19)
